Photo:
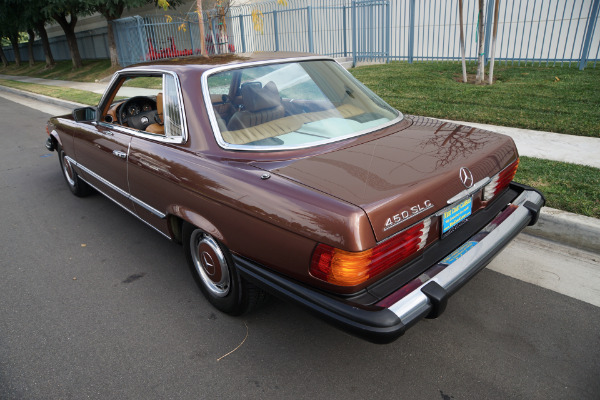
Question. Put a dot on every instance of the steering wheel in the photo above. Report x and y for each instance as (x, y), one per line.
(142, 119)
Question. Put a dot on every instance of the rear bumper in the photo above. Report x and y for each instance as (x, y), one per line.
(425, 296)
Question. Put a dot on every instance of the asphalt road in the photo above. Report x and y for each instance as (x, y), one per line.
(94, 304)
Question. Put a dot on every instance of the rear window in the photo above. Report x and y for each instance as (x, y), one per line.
(292, 105)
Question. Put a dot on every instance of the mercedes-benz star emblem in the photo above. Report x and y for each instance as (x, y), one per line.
(145, 120)
(466, 177)
(209, 264)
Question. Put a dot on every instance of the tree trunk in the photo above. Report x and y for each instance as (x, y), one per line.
(14, 40)
(112, 44)
(69, 29)
(3, 57)
(201, 28)
(494, 35)
(39, 27)
(462, 42)
(480, 46)
(30, 47)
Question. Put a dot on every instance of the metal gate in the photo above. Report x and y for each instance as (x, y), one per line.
(371, 30)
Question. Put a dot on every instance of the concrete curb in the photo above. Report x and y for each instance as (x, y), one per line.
(40, 97)
(568, 228)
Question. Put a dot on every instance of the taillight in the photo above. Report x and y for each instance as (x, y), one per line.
(500, 181)
(345, 268)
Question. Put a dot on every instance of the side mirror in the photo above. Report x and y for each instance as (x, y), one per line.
(84, 114)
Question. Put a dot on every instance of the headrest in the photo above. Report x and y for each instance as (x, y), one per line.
(159, 103)
(256, 98)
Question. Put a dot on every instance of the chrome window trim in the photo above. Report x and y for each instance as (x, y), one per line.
(118, 189)
(123, 129)
(228, 146)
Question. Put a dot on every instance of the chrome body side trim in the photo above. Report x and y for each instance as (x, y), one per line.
(417, 305)
(126, 209)
(117, 189)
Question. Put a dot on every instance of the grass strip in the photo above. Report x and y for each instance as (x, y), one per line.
(91, 71)
(76, 95)
(570, 187)
(554, 99)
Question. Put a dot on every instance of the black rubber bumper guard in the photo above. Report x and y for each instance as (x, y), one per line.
(384, 325)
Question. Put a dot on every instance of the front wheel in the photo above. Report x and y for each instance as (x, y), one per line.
(216, 275)
(77, 186)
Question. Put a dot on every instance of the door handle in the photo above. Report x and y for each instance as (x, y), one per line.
(119, 154)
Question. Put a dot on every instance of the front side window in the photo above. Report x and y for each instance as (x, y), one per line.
(292, 105)
(149, 104)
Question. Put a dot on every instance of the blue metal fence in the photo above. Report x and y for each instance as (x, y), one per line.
(529, 31)
(93, 44)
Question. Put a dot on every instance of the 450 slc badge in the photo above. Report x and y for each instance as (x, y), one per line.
(407, 214)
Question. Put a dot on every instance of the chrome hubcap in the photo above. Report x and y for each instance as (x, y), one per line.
(210, 263)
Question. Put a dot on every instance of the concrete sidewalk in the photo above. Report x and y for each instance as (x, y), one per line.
(561, 226)
(549, 145)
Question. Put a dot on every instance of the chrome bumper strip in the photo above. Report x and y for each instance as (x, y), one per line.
(416, 304)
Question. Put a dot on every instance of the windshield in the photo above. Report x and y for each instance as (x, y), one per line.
(292, 105)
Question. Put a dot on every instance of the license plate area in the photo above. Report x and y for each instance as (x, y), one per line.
(454, 216)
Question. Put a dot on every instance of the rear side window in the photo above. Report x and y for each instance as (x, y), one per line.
(172, 108)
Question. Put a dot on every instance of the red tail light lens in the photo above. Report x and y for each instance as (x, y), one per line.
(346, 268)
(500, 181)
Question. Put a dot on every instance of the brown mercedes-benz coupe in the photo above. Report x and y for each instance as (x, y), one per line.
(281, 173)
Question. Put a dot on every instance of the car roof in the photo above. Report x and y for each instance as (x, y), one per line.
(203, 63)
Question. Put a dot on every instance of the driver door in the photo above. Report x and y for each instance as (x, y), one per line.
(101, 154)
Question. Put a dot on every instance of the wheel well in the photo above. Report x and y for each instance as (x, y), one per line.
(176, 227)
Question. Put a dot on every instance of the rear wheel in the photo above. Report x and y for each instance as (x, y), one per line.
(77, 186)
(216, 275)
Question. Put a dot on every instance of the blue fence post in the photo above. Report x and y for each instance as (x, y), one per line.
(189, 28)
(354, 33)
(140, 22)
(311, 44)
(388, 33)
(345, 27)
(411, 31)
(488, 29)
(588, 35)
(242, 33)
(275, 30)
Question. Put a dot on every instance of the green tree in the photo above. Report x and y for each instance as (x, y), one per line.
(113, 9)
(3, 58)
(10, 25)
(66, 13)
(34, 22)
(30, 41)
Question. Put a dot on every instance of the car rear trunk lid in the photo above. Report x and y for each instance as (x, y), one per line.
(399, 179)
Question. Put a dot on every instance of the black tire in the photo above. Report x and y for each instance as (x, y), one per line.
(214, 271)
(77, 186)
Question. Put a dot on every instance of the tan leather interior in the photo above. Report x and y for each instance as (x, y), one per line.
(286, 125)
(261, 105)
(158, 128)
